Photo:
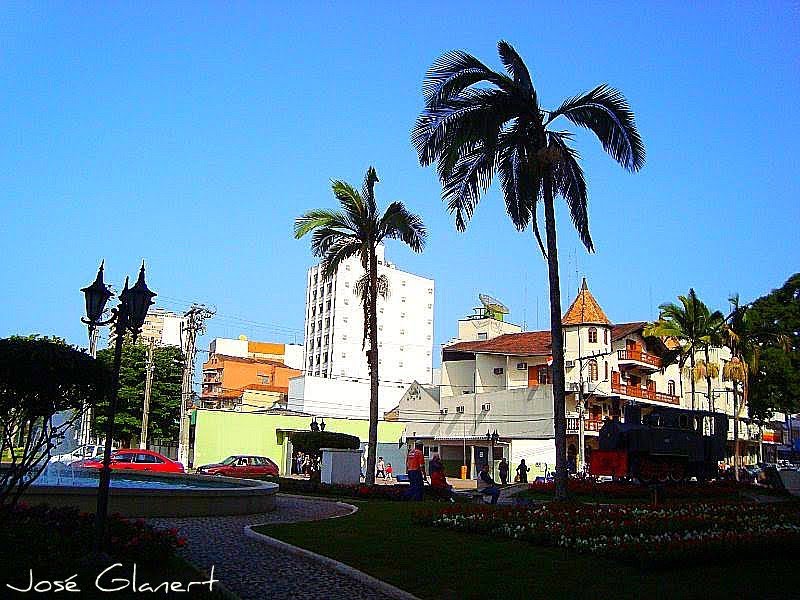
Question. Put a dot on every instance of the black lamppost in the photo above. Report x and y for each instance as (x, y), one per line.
(492, 437)
(128, 316)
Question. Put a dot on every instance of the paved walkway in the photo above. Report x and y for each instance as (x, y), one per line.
(252, 569)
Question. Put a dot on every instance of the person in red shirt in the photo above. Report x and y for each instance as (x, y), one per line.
(415, 468)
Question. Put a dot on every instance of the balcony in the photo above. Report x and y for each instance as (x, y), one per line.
(638, 359)
(589, 425)
(635, 391)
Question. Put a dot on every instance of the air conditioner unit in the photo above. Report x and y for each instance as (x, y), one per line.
(486, 407)
(460, 410)
(569, 364)
(443, 411)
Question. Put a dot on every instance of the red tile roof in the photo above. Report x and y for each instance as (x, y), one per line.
(585, 309)
(620, 330)
(529, 343)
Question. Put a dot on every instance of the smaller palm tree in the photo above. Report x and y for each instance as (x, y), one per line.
(356, 230)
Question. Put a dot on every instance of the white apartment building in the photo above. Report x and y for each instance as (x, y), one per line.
(334, 325)
(160, 325)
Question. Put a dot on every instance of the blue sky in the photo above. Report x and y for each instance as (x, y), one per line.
(192, 136)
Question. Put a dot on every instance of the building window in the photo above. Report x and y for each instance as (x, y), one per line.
(312, 328)
(315, 294)
(522, 366)
(344, 319)
(346, 301)
(346, 284)
(380, 327)
(327, 322)
(605, 337)
(344, 337)
(430, 290)
(344, 355)
(402, 332)
(328, 305)
(347, 268)
(430, 305)
(402, 348)
(326, 339)
(428, 322)
(311, 345)
(606, 377)
(593, 366)
(330, 288)
(402, 315)
(315, 280)
(325, 358)
(482, 336)
(592, 336)
(403, 299)
(544, 375)
(403, 283)
(428, 337)
(313, 311)
(400, 364)
(671, 387)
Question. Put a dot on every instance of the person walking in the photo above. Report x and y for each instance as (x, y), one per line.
(489, 485)
(380, 468)
(415, 469)
(503, 470)
(389, 472)
(522, 471)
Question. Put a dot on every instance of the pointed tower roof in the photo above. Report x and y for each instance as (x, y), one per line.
(585, 309)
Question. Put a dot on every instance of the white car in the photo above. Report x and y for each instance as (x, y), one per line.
(80, 453)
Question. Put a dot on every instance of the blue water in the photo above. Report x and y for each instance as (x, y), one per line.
(68, 478)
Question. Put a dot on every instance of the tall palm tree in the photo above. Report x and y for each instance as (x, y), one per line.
(690, 323)
(478, 122)
(356, 230)
(743, 338)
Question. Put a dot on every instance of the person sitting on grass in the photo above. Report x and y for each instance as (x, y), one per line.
(489, 485)
(439, 485)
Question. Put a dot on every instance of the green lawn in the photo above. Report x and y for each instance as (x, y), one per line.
(380, 539)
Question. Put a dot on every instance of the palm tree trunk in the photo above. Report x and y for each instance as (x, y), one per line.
(736, 429)
(557, 345)
(708, 379)
(691, 378)
(372, 445)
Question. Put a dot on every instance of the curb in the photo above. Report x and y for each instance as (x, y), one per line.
(368, 580)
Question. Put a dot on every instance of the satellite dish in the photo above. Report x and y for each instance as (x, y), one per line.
(493, 306)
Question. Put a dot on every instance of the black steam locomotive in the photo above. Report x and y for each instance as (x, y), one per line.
(661, 443)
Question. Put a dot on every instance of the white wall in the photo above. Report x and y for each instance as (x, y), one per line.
(293, 356)
(322, 396)
(228, 347)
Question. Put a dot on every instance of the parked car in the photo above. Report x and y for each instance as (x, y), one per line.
(89, 451)
(137, 460)
(241, 466)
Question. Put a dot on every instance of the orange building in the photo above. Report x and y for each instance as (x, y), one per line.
(245, 375)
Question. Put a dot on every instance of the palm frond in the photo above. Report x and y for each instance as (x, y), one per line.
(517, 69)
(571, 185)
(605, 111)
(318, 218)
(452, 73)
(368, 191)
(464, 186)
(339, 251)
(351, 201)
(400, 224)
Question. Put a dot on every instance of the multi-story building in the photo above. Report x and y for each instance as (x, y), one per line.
(161, 326)
(334, 324)
(336, 380)
(498, 379)
(246, 375)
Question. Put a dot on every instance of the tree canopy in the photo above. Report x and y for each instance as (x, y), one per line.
(776, 384)
(40, 377)
(165, 397)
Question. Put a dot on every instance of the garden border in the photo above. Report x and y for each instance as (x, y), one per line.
(360, 576)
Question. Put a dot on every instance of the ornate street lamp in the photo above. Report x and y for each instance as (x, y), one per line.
(128, 316)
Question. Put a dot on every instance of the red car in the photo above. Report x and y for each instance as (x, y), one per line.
(137, 460)
(241, 466)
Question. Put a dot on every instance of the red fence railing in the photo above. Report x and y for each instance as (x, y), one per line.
(640, 356)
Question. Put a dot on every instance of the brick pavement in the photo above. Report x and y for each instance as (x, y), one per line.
(252, 569)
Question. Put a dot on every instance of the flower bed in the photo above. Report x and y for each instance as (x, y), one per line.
(623, 491)
(66, 533)
(645, 535)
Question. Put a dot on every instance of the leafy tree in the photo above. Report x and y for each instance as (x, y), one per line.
(165, 396)
(40, 377)
(775, 386)
(695, 327)
(356, 230)
(478, 122)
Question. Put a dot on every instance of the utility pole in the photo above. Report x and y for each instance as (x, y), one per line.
(148, 388)
(192, 325)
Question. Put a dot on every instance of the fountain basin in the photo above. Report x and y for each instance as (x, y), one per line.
(133, 494)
